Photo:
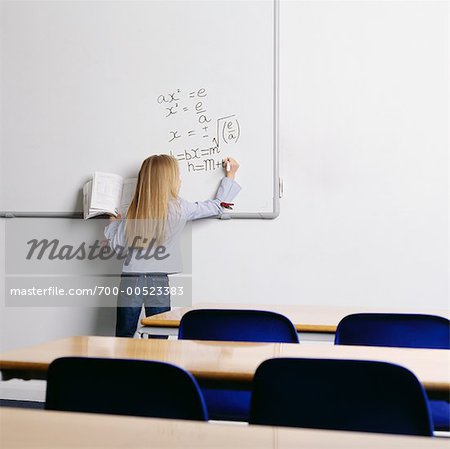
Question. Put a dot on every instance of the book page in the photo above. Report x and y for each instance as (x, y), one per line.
(129, 186)
(106, 192)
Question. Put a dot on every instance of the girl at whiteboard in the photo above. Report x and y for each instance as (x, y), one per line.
(148, 239)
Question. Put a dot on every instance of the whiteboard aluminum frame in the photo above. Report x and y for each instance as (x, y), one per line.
(276, 178)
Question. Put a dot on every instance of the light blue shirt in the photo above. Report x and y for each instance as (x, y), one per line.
(180, 212)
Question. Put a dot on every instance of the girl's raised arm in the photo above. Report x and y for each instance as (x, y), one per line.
(227, 191)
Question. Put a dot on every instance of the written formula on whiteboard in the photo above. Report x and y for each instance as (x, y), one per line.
(195, 137)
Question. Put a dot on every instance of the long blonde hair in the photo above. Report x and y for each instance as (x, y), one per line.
(158, 183)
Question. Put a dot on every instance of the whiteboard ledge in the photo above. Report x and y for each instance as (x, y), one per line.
(264, 215)
(41, 214)
(252, 215)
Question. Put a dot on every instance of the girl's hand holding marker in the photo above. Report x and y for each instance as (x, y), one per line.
(231, 167)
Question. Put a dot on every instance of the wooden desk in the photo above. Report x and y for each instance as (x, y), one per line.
(59, 430)
(306, 319)
(224, 361)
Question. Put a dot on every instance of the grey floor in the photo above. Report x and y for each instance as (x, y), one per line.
(21, 404)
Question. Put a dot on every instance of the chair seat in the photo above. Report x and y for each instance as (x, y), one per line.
(440, 412)
(227, 405)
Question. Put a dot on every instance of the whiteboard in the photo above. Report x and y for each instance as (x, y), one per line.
(101, 85)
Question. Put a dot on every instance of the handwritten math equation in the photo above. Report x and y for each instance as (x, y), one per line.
(195, 138)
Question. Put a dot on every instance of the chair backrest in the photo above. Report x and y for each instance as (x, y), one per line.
(352, 395)
(394, 329)
(237, 325)
(123, 387)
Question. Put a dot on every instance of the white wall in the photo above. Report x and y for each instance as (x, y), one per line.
(363, 145)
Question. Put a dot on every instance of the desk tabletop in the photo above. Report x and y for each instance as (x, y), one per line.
(227, 360)
(22, 428)
(306, 318)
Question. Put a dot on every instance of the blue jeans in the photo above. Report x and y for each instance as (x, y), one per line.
(150, 289)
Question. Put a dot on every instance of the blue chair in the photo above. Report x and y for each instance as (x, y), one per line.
(394, 329)
(237, 325)
(400, 330)
(123, 387)
(231, 400)
(351, 395)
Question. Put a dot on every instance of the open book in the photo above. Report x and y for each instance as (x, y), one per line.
(107, 194)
